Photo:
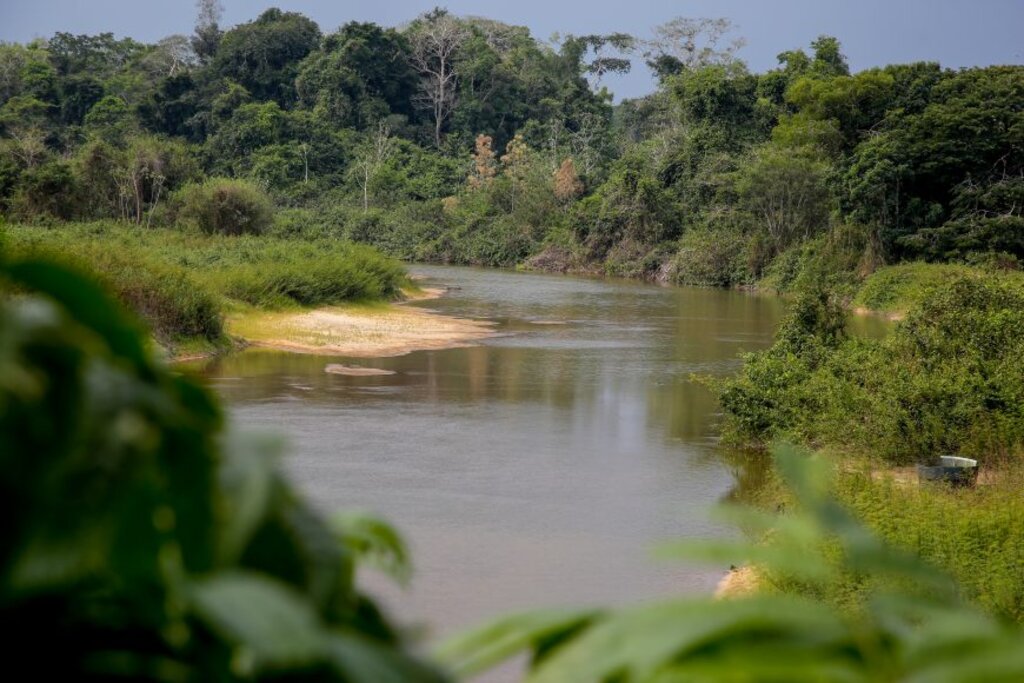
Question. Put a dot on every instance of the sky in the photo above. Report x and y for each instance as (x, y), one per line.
(873, 32)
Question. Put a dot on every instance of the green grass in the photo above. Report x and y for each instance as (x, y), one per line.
(897, 289)
(972, 534)
(181, 283)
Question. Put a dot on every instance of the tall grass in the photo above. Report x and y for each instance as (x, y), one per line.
(180, 282)
(170, 299)
(973, 534)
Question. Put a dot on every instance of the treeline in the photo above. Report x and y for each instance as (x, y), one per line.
(466, 140)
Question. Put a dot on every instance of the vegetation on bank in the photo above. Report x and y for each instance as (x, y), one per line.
(463, 139)
(948, 379)
(183, 283)
(234, 167)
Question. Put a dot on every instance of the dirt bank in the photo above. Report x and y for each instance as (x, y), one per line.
(359, 330)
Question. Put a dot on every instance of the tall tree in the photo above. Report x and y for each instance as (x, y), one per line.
(686, 43)
(360, 75)
(436, 38)
(207, 31)
(375, 152)
(264, 55)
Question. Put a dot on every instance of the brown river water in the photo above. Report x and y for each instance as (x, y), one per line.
(540, 468)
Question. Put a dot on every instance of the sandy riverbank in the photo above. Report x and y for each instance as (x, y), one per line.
(359, 330)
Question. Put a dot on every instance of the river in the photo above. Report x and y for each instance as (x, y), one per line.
(538, 468)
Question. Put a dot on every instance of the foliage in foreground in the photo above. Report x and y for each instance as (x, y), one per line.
(141, 541)
(917, 630)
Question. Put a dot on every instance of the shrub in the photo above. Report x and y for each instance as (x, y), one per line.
(948, 379)
(225, 206)
(900, 287)
(710, 258)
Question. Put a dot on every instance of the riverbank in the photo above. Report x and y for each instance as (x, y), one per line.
(374, 330)
(185, 285)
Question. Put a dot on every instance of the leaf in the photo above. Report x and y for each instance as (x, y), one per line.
(637, 643)
(271, 623)
(480, 649)
(361, 660)
(85, 301)
(246, 478)
(376, 543)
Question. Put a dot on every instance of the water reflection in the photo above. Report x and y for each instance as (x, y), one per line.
(539, 467)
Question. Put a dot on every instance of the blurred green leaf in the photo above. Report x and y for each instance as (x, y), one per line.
(483, 647)
(375, 543)
(271, 622)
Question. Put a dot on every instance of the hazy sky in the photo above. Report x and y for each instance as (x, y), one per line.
(873, 32)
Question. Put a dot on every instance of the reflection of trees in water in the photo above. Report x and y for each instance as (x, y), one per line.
(626, 357)
(752, 472)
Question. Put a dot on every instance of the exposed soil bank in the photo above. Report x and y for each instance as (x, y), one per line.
(358, 330)
(739, 582)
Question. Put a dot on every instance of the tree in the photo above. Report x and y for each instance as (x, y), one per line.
(110, 119)
(264, 55)
(568, 185)
(828, 57)
(924, 169)
(23, 120)
(484, 166)
(207, 35)
(435, 40)
(360, 75)
(514, 165)
(169, 57)
(686, 43)
(375, 152)
(785, 189)
(99, 56)
(578, 47)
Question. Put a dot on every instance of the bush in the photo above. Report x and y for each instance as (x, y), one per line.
(898, 288)
(711, 258)
(948, 379)
(225, 206)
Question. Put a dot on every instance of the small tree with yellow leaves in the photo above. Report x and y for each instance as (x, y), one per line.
(515, 163)
(484, 166)
(568, 185)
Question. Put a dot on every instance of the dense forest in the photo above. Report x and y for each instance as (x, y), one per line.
(466, 140)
